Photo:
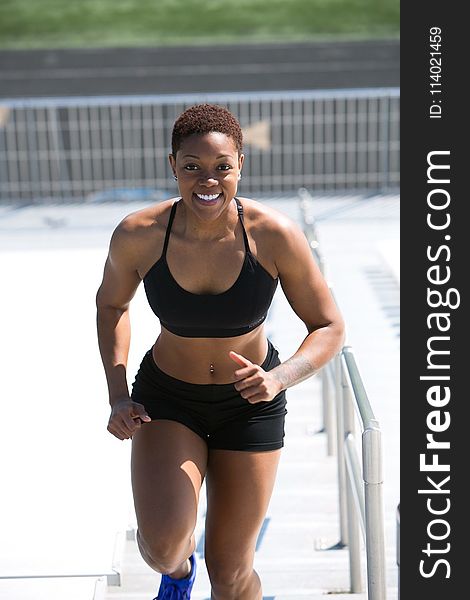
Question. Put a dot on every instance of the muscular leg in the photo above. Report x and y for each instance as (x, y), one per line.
(168, 466)
(239, 487)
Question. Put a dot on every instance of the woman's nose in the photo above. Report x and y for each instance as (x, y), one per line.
(209, 179)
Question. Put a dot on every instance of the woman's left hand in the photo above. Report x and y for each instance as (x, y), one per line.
(254, 383)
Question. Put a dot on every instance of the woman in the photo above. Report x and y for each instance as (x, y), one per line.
(209, 398)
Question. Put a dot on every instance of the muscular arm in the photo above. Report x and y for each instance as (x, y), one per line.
(120, 281)
(310, 298)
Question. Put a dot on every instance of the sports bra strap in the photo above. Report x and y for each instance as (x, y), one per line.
(168, 227)
(240, 215)
(172, 216)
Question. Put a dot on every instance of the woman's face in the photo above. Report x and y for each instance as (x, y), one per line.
(207, 167)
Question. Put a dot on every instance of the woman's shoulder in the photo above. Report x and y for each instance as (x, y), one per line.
(139, 236)
(145, 221)
(265, 219)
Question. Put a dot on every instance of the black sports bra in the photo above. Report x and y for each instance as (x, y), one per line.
(234, 312)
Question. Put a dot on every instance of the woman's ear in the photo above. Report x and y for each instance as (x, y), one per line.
(172, 160)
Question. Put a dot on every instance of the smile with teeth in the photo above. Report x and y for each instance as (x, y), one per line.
(207, 197)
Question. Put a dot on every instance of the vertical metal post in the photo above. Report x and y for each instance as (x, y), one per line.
(324, 403)
(354, 470)
(354, 541)
(328, 411)
(340, 453)
(354, 544)
(375, 543)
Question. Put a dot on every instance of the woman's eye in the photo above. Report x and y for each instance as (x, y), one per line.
(194, 167)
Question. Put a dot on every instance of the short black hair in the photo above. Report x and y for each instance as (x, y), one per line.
(205, 118)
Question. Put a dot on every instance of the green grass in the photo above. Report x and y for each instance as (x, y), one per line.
(98, 23)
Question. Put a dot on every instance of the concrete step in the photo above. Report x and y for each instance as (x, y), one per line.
(57, 588)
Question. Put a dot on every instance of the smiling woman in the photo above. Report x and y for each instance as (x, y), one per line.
(208, 168)
(209, 398)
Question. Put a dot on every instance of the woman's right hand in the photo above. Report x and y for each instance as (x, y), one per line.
(126, 418)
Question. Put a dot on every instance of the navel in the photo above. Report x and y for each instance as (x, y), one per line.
(211, 369)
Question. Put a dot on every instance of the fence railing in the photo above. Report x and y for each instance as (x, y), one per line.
(359, 482)
(65, 149)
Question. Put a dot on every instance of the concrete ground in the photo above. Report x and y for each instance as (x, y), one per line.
(76, 477)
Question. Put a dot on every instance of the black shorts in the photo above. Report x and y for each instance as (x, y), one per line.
(216, 412)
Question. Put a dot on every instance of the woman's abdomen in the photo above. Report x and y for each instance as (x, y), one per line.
(207, 360)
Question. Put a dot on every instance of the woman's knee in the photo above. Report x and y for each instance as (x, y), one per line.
(164, 550)
(229, 575)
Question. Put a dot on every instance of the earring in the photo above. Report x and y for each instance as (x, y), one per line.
(175, 178)
(239, 175)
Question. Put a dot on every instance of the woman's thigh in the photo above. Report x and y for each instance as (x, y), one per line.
(239, 487)
(168, 466)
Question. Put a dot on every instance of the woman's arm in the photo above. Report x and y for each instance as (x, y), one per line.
(120, 282)
(310, 298)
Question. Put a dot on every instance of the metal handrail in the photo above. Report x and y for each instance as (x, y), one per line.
(359, 489)
(363, 404)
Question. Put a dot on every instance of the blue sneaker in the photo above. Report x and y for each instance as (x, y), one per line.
(178, 589)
